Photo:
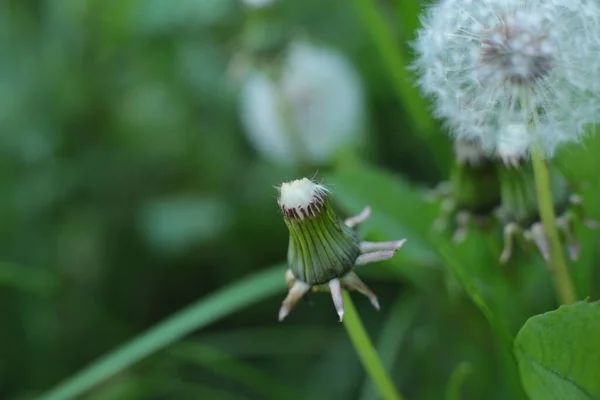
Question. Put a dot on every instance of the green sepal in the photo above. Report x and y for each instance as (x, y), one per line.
(321, 248)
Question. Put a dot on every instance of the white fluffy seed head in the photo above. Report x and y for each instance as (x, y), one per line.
(311, 109)
(302, 198)
(510, 73)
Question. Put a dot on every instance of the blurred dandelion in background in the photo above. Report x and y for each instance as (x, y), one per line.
(512, 73)
(307, 110)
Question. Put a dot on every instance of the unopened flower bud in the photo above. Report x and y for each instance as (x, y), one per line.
(472, 192)
(519, 212)
(323, 250)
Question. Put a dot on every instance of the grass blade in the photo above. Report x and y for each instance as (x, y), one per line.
(226, 301)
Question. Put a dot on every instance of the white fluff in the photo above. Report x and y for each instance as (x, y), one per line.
(509, 73)
(310, 111)
(299, 193)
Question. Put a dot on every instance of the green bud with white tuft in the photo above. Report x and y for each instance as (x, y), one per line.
(323, 250)
(321, 247)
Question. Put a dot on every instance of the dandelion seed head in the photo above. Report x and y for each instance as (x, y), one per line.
(510, 73)
(308, 111)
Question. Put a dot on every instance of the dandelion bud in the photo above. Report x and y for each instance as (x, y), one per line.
(472, 192)
(323, 250)
(519, 212)
(512, 73)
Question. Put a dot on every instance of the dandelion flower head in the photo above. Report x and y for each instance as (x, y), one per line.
(512, 73)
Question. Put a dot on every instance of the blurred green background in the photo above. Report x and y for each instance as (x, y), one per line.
(130, 190)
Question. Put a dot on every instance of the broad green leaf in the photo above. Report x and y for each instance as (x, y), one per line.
(559, 353)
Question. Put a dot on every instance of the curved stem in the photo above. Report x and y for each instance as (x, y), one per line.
(366, 352)
(565, 291)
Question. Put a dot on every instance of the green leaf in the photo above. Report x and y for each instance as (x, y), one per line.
(559, 353)
(232, 298)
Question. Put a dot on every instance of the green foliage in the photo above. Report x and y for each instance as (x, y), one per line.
(558, 353)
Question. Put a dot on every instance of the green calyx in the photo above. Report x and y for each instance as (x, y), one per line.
(321, 246)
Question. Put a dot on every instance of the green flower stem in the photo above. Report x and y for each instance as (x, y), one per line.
(565, 291)
(366, 352)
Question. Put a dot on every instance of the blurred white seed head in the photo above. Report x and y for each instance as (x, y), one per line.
(308, 111)
(509, 73)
